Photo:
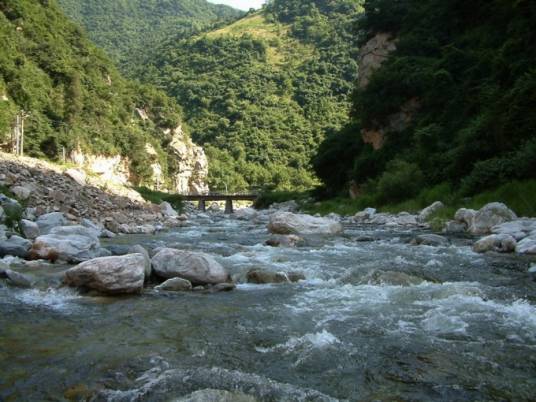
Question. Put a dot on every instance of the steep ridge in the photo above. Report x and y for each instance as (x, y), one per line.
(78, 108)
(260, 93)
(126, 29)
(444, 102)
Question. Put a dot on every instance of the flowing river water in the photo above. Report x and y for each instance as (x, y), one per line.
(375, 320)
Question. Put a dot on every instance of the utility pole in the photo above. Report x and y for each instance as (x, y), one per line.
(17, 137)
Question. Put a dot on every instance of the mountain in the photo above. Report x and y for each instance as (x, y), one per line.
(127, 28)
(77, 103)
(261, 93)
(444, 104)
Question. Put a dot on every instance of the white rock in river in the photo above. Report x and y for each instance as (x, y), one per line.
(430, 210)
(167, 209)
(175, 285)
(519, 229)
(290, 223)
(67, 243)
(29, 229)
(112, 275)
(198, 268)
(527, 245)
(245, 214)
(491, 215)
(497, 242)
(465, 216)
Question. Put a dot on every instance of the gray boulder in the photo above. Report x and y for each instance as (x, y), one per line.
(22, 192)
(259, 276)
(498, 242)
(430, 210)
(111, 275)
(453, 227)
(364, 215)
(16, 278)
(532, 272)
(175, 285)
(527, 245)
(198, 268)
(167, 210)
(245, 214)
(518, 229)
(67, 243)
(141, 250)
(431, 240)
(290, 223)
(489, 216)
(15, 246)
(465, 216)
(47, 222)
(29, 229)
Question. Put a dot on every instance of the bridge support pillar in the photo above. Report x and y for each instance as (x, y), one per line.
(202, 206)
(229, 206)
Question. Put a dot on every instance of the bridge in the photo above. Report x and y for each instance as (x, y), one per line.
(228, 198)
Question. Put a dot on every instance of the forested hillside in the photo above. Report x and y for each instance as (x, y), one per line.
(463, 78)
(261, 93)
(127, 29)
(72, 93)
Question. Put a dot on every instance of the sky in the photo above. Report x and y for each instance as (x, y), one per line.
(240, 4)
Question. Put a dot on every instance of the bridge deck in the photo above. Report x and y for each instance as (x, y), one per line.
(221, 197)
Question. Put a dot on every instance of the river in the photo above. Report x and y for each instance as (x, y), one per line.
(375, 320)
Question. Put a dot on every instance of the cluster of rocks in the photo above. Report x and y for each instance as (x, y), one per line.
(45, 188)
(370, 216)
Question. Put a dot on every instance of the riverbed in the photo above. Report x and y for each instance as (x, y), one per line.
(376, 319)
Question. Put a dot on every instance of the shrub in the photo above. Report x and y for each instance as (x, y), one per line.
(400, 181)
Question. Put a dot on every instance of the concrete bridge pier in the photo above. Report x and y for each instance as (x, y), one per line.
(202, 206)
(229, 206)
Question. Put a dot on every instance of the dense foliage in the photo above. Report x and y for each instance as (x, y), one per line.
(126, 29)
(260, 94)
(75, 96)
(470, 66)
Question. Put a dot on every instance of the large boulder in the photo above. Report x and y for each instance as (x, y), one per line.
(15, 246)
(365, 215)
(111, 275)
(67, 243)
(47, 222)
(29, 229)
(527, 245)
(501, 243)
(290, 223)
(141, 250)
(167, 210)
(430, 210)
(519, 229)
(22, 192)
(491, 215)
(198, 268)
(465, 216)
(245, 214)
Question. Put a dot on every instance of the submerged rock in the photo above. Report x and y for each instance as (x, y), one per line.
(489, 216)
(16, 278)
(284, 241)
(15, 246)
(393, 278)
(67, 243)
(198, 268)
(111, 275)
(501, 243)
(259, 277)
(175, 285)
(289, 223)
(431, 240)
(216, 395)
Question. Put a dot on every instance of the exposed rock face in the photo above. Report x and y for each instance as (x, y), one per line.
(289, 223)
(189, 166)
(113, 169)
(67, 243)
(198, 268)
(373, 54)
(113, 275)
(501, 243)
(491, 215)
